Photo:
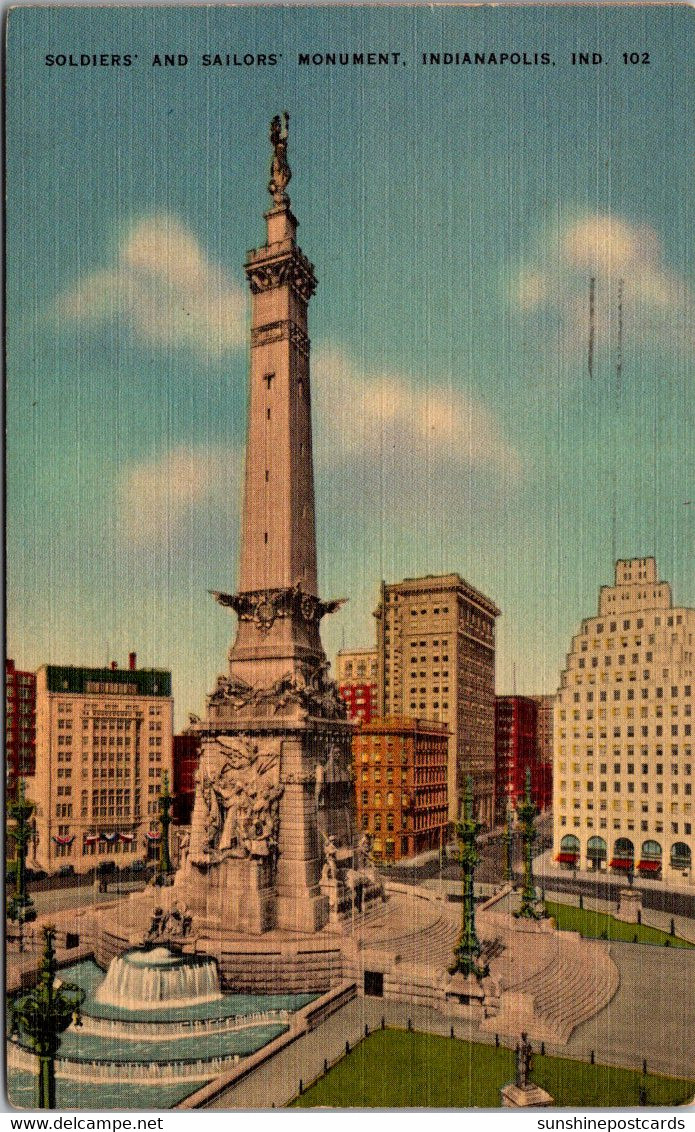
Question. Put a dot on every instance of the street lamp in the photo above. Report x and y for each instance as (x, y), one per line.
(164, 803)
(467, 950)
(43, 1014)
(509, 846)
(527, 812)
(21, 906)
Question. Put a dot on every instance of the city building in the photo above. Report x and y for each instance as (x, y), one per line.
(20, 726)
(545, 707)
(436, 660)
(400, 770)
(623, 771)
(103, 741)
(186, 756)
(544, 727)
(516, 751)
(356, 672)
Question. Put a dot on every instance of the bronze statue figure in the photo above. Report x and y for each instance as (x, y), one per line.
(280, 172)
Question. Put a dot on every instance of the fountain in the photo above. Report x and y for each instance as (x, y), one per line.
(155, 978)
(154, 1028)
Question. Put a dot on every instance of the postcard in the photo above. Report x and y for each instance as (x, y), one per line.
(351, 578)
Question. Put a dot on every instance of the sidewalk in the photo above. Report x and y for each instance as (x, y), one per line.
(545, 865)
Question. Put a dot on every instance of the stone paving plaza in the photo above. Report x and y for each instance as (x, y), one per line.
(646, 1019)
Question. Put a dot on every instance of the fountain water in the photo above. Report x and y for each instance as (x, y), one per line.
(152, 979)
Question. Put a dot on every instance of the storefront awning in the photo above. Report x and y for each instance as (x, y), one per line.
(622, 863)
(649, 866)
(567, 858)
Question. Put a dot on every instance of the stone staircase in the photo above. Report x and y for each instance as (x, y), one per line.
(573, 979)
(579, 986)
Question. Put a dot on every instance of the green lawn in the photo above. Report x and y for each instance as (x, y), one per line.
(396, 1069)
(599, 925)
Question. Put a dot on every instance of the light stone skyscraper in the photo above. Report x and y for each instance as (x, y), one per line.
(623, 733)
(436, 660)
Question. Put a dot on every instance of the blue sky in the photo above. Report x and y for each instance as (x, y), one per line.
(455, 215)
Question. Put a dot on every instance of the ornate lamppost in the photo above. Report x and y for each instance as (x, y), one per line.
(43, 1014)
(467, 950)
(508, 846)
(527, 812)
(164, 803)
(21, 906)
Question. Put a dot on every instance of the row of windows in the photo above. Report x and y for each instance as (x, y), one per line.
(639, 623)
(616, 787)
(437, 610)
(645, 826)
(618, 768)
(630, 695)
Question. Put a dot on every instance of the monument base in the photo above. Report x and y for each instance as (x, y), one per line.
(525, 1096)
(235, 891)
(302, 912)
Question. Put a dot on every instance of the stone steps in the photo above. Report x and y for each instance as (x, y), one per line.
(581, 994)
(578, 983)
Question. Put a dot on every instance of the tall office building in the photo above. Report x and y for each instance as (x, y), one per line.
(356, 677)
(436, 660)
(544, 727)
(103, 742)
(20, 726)
(623, 771)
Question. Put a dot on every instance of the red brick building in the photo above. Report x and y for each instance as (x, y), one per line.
(516, 748)
(356, 672)
(20, 726)
(185, 756)
(400, 768)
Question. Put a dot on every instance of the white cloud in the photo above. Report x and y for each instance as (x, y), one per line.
(164, 289)
(377, 416)
(657, 302)
(376, 435)
(159, 495)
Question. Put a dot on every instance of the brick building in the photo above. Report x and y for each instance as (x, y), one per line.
(516, 749)
(186, 755)
(20, 726)
(356, 677)
(400, 769)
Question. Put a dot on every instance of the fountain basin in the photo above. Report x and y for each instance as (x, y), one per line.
(145, 980)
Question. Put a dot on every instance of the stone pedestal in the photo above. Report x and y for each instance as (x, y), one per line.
(300, 904)
(234, 892)
(629, 905)
(465, 996)
(525, 1096)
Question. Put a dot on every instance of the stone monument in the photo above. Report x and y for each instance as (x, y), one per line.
(271, 830)
(523, 1093)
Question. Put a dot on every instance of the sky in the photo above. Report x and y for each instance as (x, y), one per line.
(455, 215)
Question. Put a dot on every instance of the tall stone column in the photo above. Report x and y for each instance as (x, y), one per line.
(277, 706)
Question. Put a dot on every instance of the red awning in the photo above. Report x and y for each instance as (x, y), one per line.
(649, 866)
(622, 863)
(567, 858)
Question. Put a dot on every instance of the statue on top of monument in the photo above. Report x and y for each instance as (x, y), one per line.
(280, 172)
